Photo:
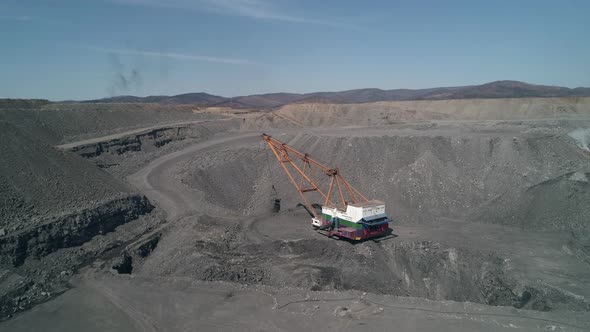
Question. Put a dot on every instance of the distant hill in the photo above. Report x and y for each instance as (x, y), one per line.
(199, 98)
(269, 100)
(513, 89)
(22, 103)
(498, 89)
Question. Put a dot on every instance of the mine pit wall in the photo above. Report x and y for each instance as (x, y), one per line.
(404, 268)
(495, 178)
(434, 271)
(384, 113)
(71, 230)
(156, 138)
(136, 254)
(469, 177)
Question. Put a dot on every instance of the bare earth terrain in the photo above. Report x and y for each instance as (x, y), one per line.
(489, 200)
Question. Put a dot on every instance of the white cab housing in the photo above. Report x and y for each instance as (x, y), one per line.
(356, 212)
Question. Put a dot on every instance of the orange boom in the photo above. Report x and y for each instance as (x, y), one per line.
(350, 215)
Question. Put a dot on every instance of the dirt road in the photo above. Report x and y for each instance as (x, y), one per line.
(105, 302)
(157, 183)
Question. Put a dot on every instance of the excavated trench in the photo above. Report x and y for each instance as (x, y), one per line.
(151, 140)
(524, 180)
(493, 178)
(124, 263)
(71, 230)
(398, 267)
(496, 178)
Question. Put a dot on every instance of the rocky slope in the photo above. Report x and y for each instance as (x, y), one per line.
(52, 201)
(387, 113)
(61, 123)
(39, 182)
(503, 176)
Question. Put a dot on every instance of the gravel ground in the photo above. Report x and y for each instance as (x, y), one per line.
(51, 200)
(383, 113)
(492, 212)
(39, 182)
(509, 176)
(74, 122)
(229, 178)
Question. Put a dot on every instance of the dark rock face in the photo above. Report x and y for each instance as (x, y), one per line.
(71, 230)
(150, 140)
(124, 265)
(156, 137)
(144, 249)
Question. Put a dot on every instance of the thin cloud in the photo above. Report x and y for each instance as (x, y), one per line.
(256, 9)
(26, 18)
(177, 56)
(22, 18)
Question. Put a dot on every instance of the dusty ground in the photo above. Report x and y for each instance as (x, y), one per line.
(491, 224)
(101, 301)
(257, 243)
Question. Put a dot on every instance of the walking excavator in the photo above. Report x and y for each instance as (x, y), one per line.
(350, 216)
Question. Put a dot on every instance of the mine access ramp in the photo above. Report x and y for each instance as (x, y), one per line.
(351, 215)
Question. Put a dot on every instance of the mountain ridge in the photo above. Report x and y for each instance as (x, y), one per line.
(496, 89)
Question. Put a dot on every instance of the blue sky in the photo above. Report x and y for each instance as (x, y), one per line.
(81, 49)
